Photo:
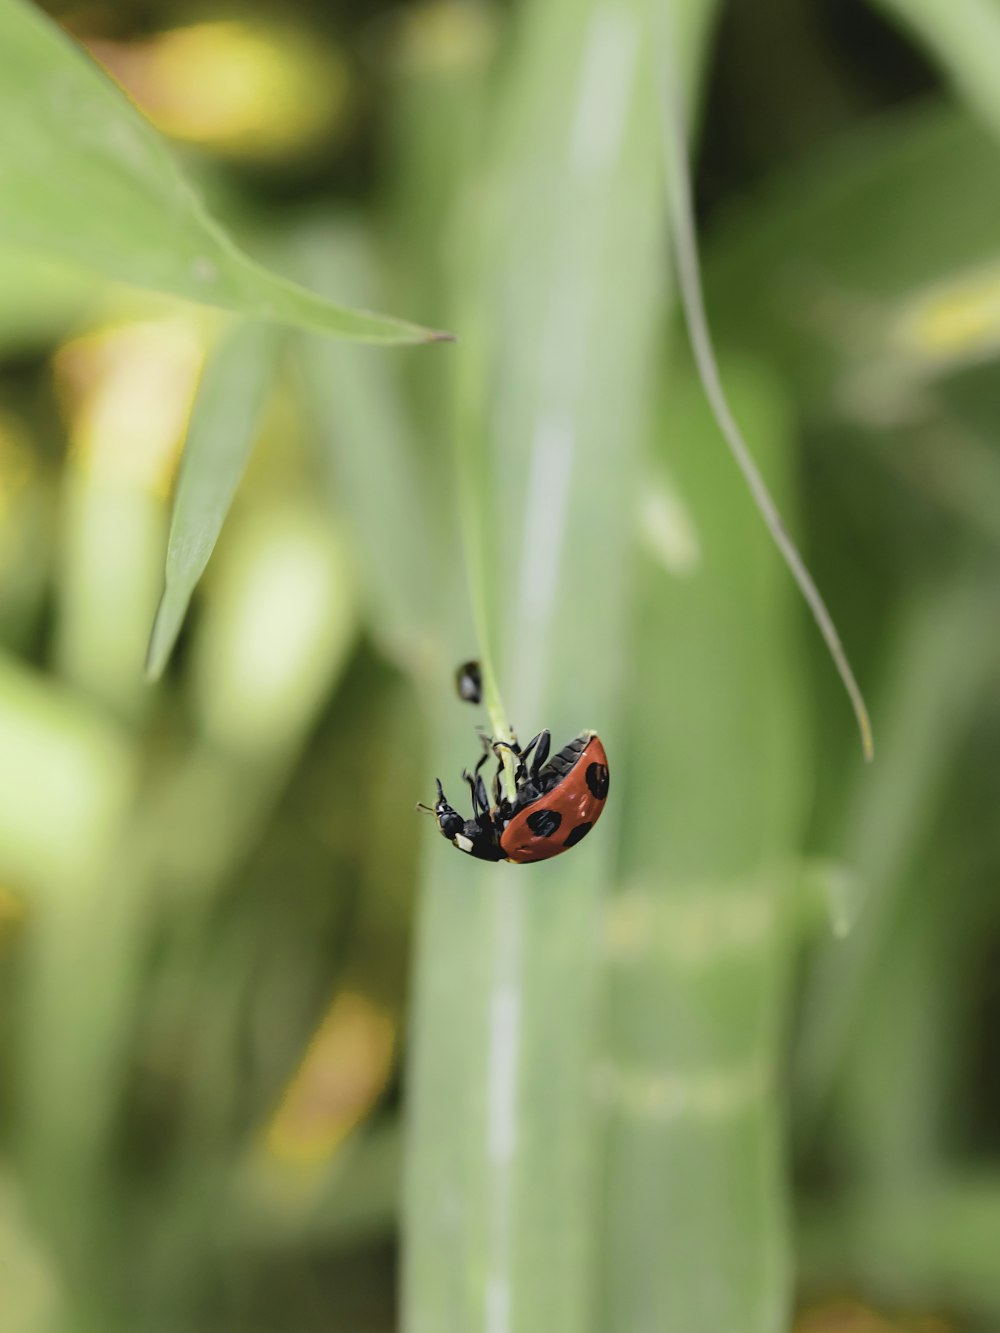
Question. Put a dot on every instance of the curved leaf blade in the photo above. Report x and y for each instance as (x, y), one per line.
(223, 430)
(83, 176)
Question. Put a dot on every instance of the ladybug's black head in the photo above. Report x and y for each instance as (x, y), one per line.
(476, 837)
(450, 822)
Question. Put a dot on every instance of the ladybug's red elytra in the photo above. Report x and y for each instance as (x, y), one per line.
(556, 803)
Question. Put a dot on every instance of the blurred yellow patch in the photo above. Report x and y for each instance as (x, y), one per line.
(850, 1317)
(446, 36)
(956, 321)
(12, 909)
(128, 392)
(247, 91)
(17, 464)
(345, 1069)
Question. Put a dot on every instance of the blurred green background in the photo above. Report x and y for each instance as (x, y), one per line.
(273, 1058)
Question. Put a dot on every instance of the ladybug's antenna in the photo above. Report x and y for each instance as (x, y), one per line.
(442, 799)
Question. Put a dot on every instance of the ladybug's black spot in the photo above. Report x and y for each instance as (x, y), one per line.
(579, 833)
(597, 780)
(544, 823)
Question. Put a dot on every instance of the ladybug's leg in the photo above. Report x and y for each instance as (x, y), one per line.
(485, 740)
(480, 801)
(522, 768)
(541, 744)
(479, 792)
(519, 755)
(544, 739)
(530, 746)
(467, 776)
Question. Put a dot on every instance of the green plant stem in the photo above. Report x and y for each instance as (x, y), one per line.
(474, 493)
(500, 726)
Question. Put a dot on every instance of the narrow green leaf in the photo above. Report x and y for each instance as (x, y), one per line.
(684, 235)
(85, 177)
(223, 429)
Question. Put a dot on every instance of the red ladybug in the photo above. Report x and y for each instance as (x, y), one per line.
(556, 804)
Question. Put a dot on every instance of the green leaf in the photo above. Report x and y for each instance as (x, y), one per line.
(562, 293)
(83, 176)
(801, 272)
(963, 37)
(696, 938)
(41, 299)
(688, 266)
(224, 426)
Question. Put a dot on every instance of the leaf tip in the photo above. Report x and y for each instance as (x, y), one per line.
(152, 668)
(867, 739)
(161, 641)
(156, 659)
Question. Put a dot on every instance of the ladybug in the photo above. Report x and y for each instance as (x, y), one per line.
(556, 802)
(469, 683)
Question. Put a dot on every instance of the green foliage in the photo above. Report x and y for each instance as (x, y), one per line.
(554, 388)
(85, 178)
(698, 931)
(259, 1024)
